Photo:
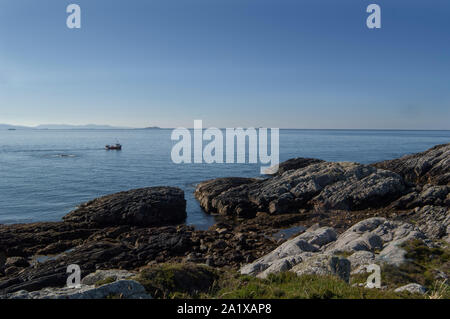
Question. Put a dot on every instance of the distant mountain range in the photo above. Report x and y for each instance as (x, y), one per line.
(68, 127)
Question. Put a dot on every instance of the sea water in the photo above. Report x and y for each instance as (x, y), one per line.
(44, 174)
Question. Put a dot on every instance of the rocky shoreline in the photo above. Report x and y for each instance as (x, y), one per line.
(345, 216)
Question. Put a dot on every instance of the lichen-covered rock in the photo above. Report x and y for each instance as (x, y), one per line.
(359, 237)
(324, 264)
(361, 190)
(296, 163)
(373, 240)
(431, 166)
(283, 264)
(123, 289)
(349, 186)
(433, 221)
(375, 234)
(437, 195)
(412, 288)
(291, 252)
(152, 206)
(102, 275)
(360, 260)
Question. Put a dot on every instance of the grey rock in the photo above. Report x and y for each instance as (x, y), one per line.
(20, 262)
(295, 163)
(99, 275)
(283, 264)
(291, 252)
(2, 258)
(362, 190)
(375, 234)
(226, 196)
(323, 185)
(359, 237)
(429, 195)
(429, 167)
(393, 254)
(152, 206)
(412, 288)
(124, 289)
(291, 248)
(433, 221)
(360, 260)
(320, 236)
(324, 264)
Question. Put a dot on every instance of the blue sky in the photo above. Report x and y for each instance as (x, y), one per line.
(272, 63)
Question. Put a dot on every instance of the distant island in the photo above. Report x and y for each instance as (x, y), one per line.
(72, 127)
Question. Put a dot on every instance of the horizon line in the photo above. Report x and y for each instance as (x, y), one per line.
(112, 127)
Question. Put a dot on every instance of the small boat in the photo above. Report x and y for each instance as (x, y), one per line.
(115, 147)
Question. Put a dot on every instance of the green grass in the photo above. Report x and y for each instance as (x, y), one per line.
(177, 280)
(290, 286)
(422, 268)
(200, 281)
(197, 281)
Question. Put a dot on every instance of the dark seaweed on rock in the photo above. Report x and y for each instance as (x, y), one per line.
(152, 206)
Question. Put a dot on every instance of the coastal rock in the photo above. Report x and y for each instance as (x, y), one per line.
(129, 251)
(412, 288)
(185, 278)
(327, 185)
(296, 163)
(324, 264)
(393, 253)
(437, 195)
(362, 240)
(283, 264)
(433, 221)
(26, 240)
(360, 192)
(16, 262)
(360, 260)
(429, 167)
(132, 248)
(122, 289)
(152, 206)
(226, 196)
(290, 253)
(319, 236)
(102, 275)
(2, 261)
(375, 234)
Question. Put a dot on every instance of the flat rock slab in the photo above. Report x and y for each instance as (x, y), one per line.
(123, 289)
(412, 288)
(313, 251)
(152, 206)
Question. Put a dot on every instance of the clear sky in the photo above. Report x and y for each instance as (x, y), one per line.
(271, 63)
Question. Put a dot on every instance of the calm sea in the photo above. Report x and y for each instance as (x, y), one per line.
(44, 174)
